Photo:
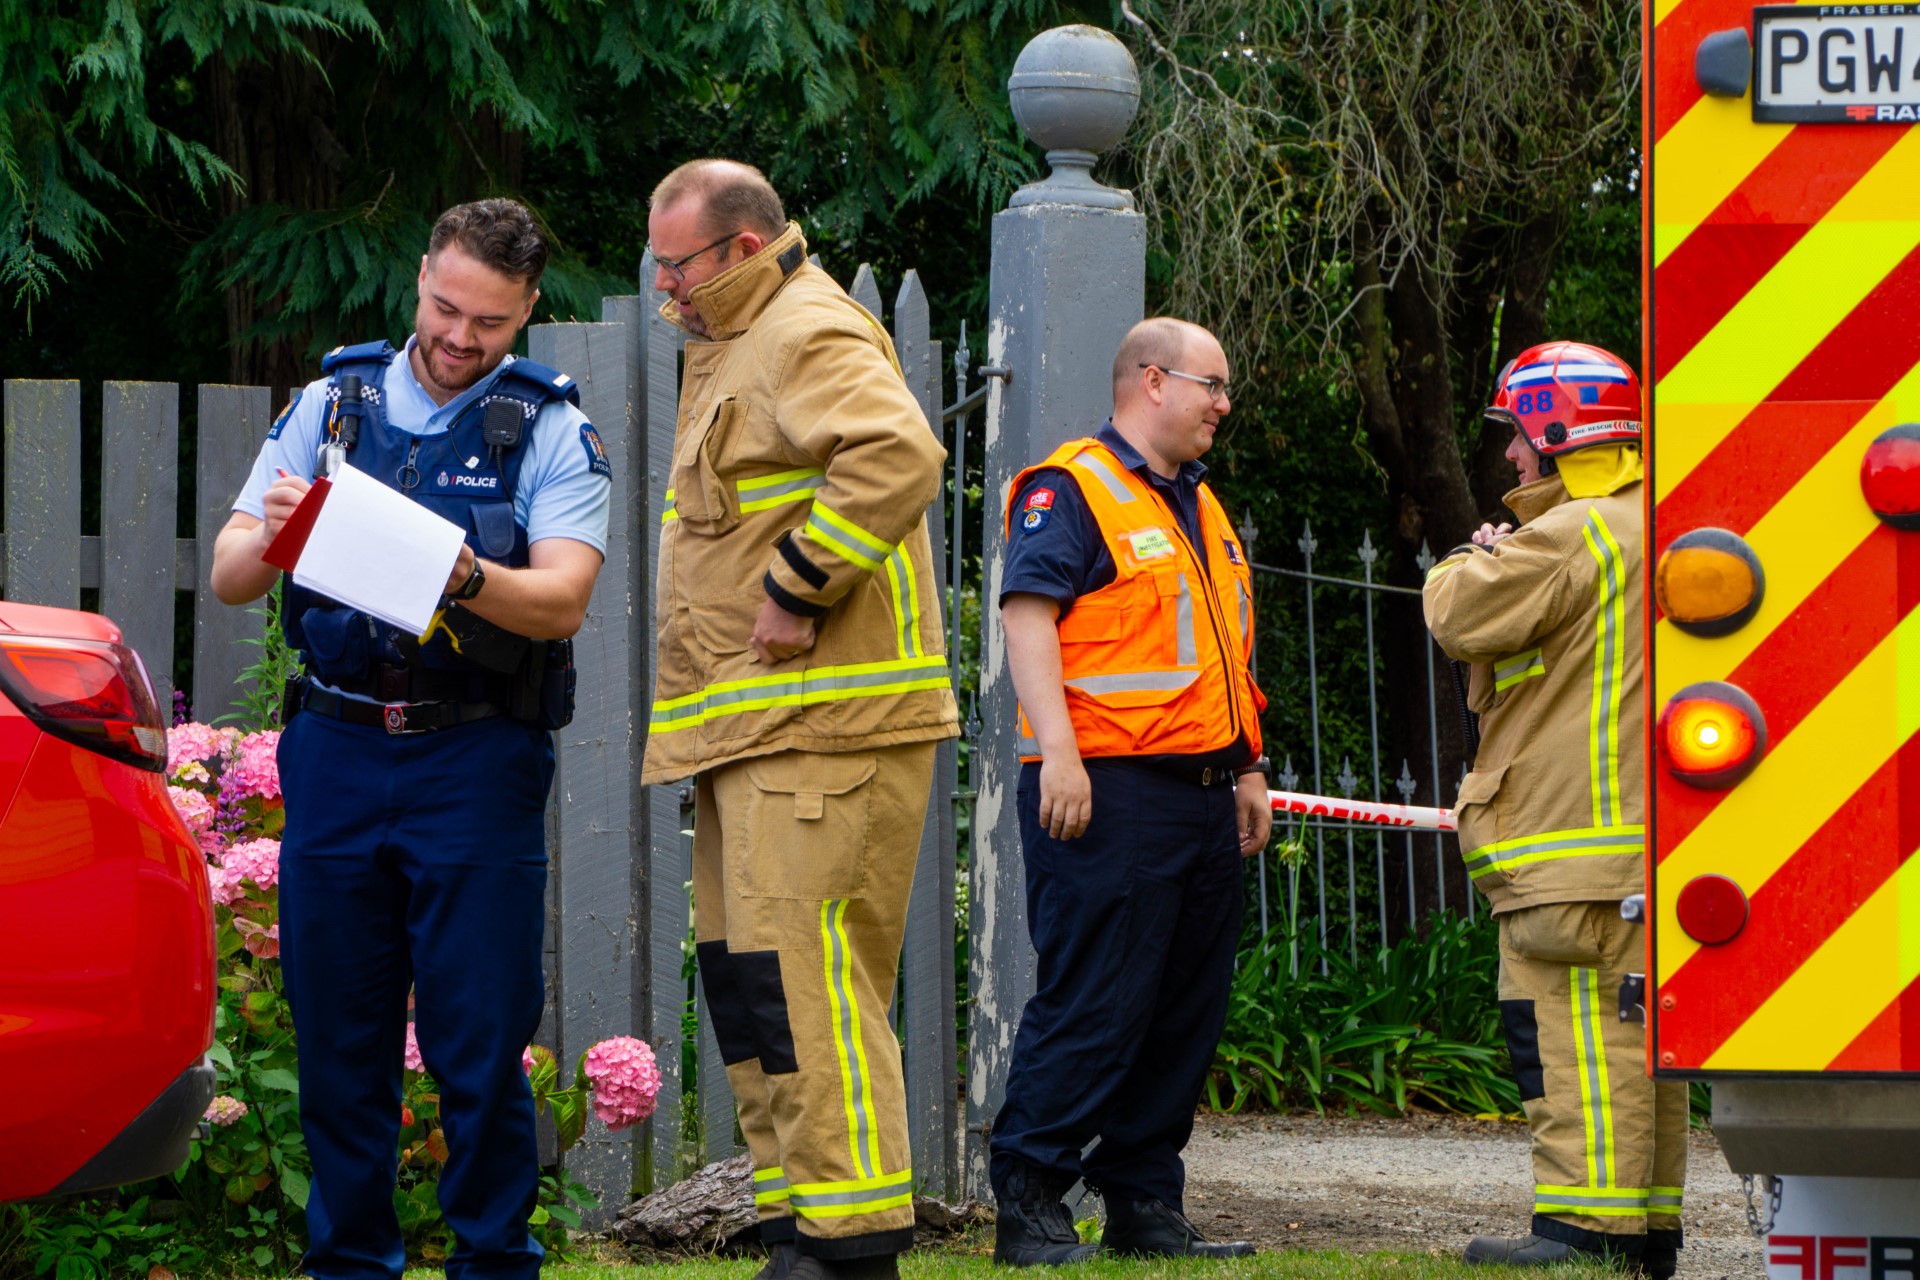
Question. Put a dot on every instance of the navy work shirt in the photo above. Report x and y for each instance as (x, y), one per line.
(1055, 548)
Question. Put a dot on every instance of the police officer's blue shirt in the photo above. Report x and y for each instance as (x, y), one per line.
(1056, 549)
(561, 494)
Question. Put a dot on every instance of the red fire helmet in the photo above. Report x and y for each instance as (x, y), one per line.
(1566, 396)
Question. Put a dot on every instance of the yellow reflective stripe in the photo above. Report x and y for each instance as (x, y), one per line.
(1609, 671)
(1664, 1200)
(770, 1185)
(1442, 567)
(1616, 1195)
(1590, 1210)
(854, 1196)
(893, 1201)
(1521, 666)
(849, 1045)
(799, 688)
(843, 535)
(1590, 1057)
(761, 492)
(906, 602)
(1581, 842)
(669, 513)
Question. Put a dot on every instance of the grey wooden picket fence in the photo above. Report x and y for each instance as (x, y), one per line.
(620, 852)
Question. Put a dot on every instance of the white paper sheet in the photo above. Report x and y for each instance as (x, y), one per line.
(379, 551)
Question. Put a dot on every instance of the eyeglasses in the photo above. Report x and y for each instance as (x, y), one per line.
(1216, 387)
(678, 266)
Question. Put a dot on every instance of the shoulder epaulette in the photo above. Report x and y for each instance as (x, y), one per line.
(380, 352)
(550, 383)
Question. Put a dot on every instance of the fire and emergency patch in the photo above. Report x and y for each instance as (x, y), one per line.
(596, 452)
(280, 423)
(1037, 510)
(1233, 551)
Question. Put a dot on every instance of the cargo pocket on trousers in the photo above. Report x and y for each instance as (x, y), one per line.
(807, 829)
(1556, 933)
(1523, 1047)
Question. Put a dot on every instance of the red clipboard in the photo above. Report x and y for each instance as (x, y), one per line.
(284, 551)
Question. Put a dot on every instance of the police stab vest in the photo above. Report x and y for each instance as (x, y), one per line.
(467, 474)
(1155, 662)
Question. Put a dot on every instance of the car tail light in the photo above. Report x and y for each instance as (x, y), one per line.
(1713, 733)
(1709, 582)
(88, 692)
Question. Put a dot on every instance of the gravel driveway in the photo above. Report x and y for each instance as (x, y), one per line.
(1418, 1184)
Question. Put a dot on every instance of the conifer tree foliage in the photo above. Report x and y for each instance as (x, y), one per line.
(297, 149)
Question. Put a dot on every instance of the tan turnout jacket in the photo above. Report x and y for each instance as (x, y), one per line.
(1550, 619)
(802, 470)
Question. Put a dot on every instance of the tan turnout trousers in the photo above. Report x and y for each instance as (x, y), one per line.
(1609, 1144)
(802, 864)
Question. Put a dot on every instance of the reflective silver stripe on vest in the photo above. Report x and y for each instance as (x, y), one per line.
(1185, 652)
(1246, 623)
(1116, 487)
(1133, 681)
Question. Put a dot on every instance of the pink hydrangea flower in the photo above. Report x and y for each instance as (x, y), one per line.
(224, 1110)
(255, 767)
(411, 1055)
(625, 1079)
(526, 1059)
(194, 742)
(223, 886)
(195, 809)
(255, 860)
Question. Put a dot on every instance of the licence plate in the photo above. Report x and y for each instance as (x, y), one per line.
(1837, 63)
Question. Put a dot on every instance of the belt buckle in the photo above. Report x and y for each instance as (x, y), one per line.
(1206, 776)
(394, 717)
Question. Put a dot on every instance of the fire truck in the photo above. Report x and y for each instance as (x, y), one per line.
(1782, 354)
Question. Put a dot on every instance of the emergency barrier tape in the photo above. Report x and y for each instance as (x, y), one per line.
(1419, 817)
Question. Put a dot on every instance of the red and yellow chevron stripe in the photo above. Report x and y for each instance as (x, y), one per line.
(1783, 308)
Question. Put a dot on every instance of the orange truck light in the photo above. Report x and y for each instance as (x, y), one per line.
(1709, 582)
(1713, 735)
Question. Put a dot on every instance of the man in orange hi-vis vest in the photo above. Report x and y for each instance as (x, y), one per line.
(1128, 608)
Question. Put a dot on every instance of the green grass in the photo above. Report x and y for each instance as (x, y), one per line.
(1325, 1264)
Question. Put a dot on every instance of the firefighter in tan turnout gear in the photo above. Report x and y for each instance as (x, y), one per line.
(802, 679)
(1552, 817)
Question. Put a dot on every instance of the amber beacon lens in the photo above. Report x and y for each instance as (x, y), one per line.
(1713, 735)
(1709, 582)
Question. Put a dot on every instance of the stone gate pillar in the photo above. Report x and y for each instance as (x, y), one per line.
(1068, 279)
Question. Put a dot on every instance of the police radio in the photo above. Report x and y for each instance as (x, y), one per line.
(501, 428)
(344, 431)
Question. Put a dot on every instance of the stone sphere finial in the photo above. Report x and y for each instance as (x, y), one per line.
(1074, 91)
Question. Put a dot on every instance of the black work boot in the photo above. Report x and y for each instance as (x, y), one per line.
(1533, 1251)
(881, 1266)
(1148, 1228)
(1032, 1227)
(782, 1257)
(1661, 1258)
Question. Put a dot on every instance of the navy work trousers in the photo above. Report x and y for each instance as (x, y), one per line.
(415, 861)
(1135, 924)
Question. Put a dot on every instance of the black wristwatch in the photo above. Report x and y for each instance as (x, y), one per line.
(471, 587)
(1262, 766)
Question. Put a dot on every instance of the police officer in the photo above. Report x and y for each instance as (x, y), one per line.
(802, 677)
(1552, 818)
(1128, 608)
(416, 771)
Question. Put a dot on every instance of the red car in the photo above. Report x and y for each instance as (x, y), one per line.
(106, 929)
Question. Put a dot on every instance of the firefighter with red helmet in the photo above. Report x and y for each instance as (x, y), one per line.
(1552, 819)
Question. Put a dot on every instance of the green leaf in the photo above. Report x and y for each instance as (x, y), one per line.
(293, 1184)
(278, 1078)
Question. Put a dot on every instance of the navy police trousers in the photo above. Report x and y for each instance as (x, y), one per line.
(415, 861)
(1135, 925)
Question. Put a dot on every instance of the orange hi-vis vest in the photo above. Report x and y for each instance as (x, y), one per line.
(1155, 662)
